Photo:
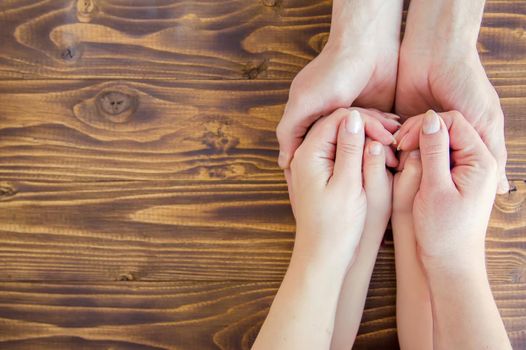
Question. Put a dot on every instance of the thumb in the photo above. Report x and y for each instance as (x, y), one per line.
(300, 113)
(349, 152)
(434, 151)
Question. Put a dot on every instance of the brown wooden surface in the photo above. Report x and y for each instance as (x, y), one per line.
(140, 202)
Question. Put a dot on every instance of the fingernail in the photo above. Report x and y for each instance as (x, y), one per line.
(375, 148)
(415, 154)
(401, 143)
(394, 136)
(431, 123)
(354, 122)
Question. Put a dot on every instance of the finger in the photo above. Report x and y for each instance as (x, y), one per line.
(434, 150)
(290, 132)
(390, 157)
(376, 131)
(374, 170)
(349, 152)
(407, 182)
(407, 136)
(390, 124)
(290, 187)
(401, 162)
(375, 176)
(497, 146)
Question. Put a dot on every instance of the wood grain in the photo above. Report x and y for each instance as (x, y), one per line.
(63, 130)
(170, 231)
(141, 206)
(165, 39)
(183, 315)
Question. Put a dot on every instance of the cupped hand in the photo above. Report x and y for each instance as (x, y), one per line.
(340, 76)
(446, 81)
(326, 181)
(453, 204)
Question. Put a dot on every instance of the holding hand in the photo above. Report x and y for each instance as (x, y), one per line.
(450, 215)
(357, 65)
(440, 69)
(329, 182)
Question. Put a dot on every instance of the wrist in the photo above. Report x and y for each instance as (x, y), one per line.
(443, 26)
(455, 267)
(366, 23)
(318, 262)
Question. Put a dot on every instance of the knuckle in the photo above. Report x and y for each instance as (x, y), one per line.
(456, 115)
(281, 133)
(350, 148)
(490, 164)
(432, 150)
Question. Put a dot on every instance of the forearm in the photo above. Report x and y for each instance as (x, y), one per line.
(366, 22)
(302, 314)
(354, 289)
(438, 26)
(465, 315)
(413, 301)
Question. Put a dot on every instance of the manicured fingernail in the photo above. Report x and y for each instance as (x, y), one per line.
(415, 154)
(401, 143)
(354, 122)
(431, 123)
(375, 148)
(394, 136)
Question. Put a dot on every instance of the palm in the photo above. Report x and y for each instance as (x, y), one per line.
(338, 79)
(454, 84)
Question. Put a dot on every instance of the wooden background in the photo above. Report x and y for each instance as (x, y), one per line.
(141, 206)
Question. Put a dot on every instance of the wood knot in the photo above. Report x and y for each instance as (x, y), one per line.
(252, 71)
(86, 10)
(7, 192)
(518, 275)
(69, 48)
(270, 3)
(218, 138)
(512, 201)
(128, 276)
(117, 106)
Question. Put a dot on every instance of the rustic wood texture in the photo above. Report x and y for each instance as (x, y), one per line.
(141, 206)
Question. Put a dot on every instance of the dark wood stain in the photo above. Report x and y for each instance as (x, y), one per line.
(141, 206)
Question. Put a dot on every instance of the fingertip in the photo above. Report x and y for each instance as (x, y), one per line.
(504, 185)
(283, 160)
(375, 171)
(375, 149)
(390, 158)
(378, 132)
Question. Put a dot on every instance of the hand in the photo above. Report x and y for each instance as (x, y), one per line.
(325, 185)
(360, 69)
(452, 207)
(440, 69)
(329, 201)
(450, 214)
(413, 303)
(378, 192)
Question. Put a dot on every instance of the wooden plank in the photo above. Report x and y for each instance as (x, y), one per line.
(68, 130)
(183, 315)
(177, 39)
(170, 231)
